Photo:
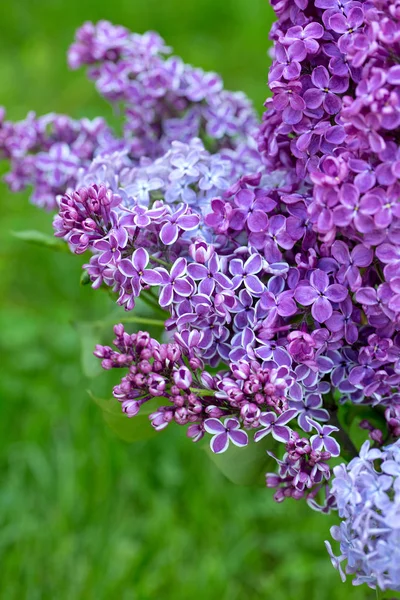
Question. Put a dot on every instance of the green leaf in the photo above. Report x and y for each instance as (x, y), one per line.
(89, 336)
(96, 332)
(245, 466)
(41, 239)
(128, 429)
(350, 417)
(85, 279)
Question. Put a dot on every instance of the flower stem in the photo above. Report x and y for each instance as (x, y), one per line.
(144, 321)
(138, 320)
(160, 261)
(201, 392)
(348, 449)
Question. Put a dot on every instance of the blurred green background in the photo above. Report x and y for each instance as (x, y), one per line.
(82, 514)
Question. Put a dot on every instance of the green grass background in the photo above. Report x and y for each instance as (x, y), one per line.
(82, 514)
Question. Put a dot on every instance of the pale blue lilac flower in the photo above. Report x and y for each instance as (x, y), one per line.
(368, 495)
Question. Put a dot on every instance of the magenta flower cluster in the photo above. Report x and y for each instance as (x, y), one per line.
(274, 248)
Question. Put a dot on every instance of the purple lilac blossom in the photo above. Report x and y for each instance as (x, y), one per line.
(279, 267)
(279, 276)
(47, 152)
(161, 100)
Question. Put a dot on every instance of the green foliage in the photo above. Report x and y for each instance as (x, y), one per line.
(89, 335)
(97, 332)
(42, 239)
(245, 466)
(130, 430)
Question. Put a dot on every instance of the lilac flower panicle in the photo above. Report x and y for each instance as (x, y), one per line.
(272, 249)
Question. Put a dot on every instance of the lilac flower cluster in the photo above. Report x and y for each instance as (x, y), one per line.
(279, 267)
(333, 121)
(163, 99)
(156, 206)
(47, 152)
(367, 492)
(240, 264)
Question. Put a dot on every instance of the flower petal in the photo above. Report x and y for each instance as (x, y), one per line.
(336, 292)
(321, 309)
(214, 426)
(239, 438)
(281, 433)
(126, 267)
(219, 443)
(140, 259)
(169, 233)
(332, 446)
(253, 284)
(305, 294)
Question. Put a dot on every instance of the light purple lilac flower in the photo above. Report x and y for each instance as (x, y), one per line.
(319, 294)
(367, 492)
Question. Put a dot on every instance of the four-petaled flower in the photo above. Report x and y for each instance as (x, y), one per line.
(278, 300)
(185, 166)
(225, 432)
(210, 276)
(173, 283)
(135, 269)
(288, 61)
(142, 187)
(247, 274)
(275, 425)
(311, 408)
(318, 293)
(251, 209)
(322, 438)
(349, 272)
(177, 222)
(346, 25)
(287, 99)
(109, 250)
(326, 91)
(307, 35)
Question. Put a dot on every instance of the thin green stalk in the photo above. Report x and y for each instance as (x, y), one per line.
(201, 392)
(160, 261)
(138, 320)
